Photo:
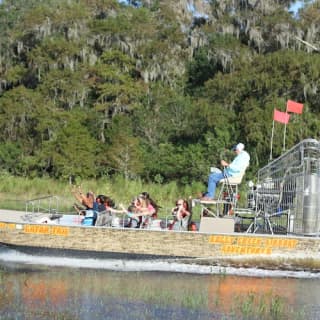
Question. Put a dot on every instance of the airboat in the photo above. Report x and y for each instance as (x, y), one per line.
(278, 228)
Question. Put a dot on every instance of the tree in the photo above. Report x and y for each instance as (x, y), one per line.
(71, 153)
(123, 152)
(165, 91)
(66, 89)
(116, 86)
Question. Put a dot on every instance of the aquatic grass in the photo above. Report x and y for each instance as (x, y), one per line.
(299, 314)
(277, 308)
(192, 301)
(154, 296)
(247, 306)
(263, 307)
(163, 297)
(89, 295)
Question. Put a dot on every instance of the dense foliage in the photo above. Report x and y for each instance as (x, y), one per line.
(158, 90)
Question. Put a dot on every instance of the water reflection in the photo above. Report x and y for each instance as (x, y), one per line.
(64, 293)
(34, 291)
(232, 288)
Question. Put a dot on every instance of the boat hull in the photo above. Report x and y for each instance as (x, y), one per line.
(212, 248)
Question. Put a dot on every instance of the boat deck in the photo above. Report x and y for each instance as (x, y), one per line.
(12, 216)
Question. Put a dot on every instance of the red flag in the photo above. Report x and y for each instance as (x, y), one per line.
(294, 107)
(281, 117)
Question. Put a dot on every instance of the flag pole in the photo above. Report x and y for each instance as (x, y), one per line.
(271, 140)
(284, 133)
(284, 137)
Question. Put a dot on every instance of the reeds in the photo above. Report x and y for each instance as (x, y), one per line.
(265, 306)
(15, 191)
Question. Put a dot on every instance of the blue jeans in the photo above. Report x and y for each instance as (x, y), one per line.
(213, 181)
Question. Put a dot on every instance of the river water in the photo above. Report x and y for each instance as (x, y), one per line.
(45, 287)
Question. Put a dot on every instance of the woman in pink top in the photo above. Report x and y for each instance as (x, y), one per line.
(144, 210)
(143, 206)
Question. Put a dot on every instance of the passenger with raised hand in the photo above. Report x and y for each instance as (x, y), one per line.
(90, 206)
(87, 200)
(108, 214)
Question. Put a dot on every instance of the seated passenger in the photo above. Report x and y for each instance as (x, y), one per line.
(182, 215)
(90, 218)
(134, 222)
(86, 200)
(100, 199)
(144, 210)
(90, 206)
(103, 217)
(108, 212)
(236, 167)
(153, 203)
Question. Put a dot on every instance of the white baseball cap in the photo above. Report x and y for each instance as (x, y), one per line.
(239, 146)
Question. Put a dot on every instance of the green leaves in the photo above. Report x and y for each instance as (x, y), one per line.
(10, 154)
(72, 152)
(93, 87)
(18, 109)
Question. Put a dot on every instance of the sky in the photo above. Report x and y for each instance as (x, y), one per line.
(296, 6)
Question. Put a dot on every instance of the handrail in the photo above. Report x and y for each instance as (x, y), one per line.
(38, 206)
(41, 198)
(310, 144)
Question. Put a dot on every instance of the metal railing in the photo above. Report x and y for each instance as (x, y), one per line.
(292, 182)
(41, 205)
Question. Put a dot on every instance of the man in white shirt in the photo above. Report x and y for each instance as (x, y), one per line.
(236, 167)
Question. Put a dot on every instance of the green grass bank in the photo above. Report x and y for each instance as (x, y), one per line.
(15, 191)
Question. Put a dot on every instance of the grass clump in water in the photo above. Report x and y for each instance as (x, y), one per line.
(263, 307)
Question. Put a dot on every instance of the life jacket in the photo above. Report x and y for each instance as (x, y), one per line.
(90, 218)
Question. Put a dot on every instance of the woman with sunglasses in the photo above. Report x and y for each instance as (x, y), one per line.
(181, 214)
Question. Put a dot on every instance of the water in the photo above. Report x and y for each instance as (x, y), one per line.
(35, 287)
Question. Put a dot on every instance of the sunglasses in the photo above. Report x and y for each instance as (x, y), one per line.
(179, 204)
